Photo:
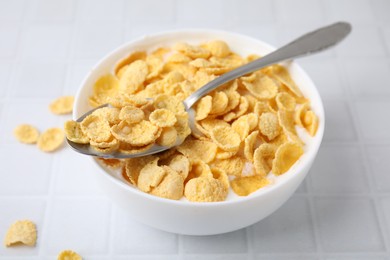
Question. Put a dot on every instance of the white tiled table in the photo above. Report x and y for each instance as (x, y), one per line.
(341, 211)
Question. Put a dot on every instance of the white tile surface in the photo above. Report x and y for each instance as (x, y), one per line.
(81, 224)
(5, 71)
(39, 79)
(339, 123)
(373, 127)
(345, 224)
(364, 41)
(96, 38)
(101, 10)
(133, 238)
(364, 85)
(52, 10)
(11, 10)
(48, 46)
(9, 35)
(27, 170)
(46, 41)
(338, 169)
(233, 242)
(289, 229)
(378, 157)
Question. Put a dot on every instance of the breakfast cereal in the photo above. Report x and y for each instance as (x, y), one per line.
(68, 255)
(21, 231)
(51, 139)
(27, 134)
(62, 105)
(244, 130)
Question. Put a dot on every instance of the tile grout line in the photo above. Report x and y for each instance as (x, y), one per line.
(250, 238)
(361, 144)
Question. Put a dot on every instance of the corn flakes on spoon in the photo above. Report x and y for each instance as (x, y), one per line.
(307, 44)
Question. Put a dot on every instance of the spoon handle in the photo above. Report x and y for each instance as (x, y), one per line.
(309, 43)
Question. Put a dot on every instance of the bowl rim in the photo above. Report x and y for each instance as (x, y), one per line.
(297, 169)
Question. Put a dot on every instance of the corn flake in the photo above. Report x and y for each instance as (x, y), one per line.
(133, 77)
(21, 231)
(205, 189)
(68, 255)
(62, 105)
(137, 134)
(168, 137)
(74, 133)
(250, 143)
(163, 118)
(269, 125)
(51, 139)
(285, 101)
(232, 166)
(196, 149)
(243, 186)
(218, 48)
(262, 158)
(203, 108)
(171, 186)
(225, 138)
(96, 128)
(263, 87)
(131, 114)
(26, 134)
(180, 164)
(286, 156)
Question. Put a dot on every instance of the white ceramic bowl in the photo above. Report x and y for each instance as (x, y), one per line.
(191, 218)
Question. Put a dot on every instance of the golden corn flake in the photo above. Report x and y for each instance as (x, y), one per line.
(205, 189)
(286, 156)
(250, 143)
(178, 58)
(62, 105)
(192, 51)
(162, 117)
(131, 114)
(311, 122)
(221, 154)
(220, 175)
(171, 186)
(138, 134)
(203, 108)
(68, 255)
(26, 134)
(282, 75)
(121, 66)
(51, 140)
(105, 87)
(150, 176)
(243, 186)
(300, 114)
(74, 133)
(133, 167)
(182, 126)
(96, 128)
(168, 136)
(111, 114)
(155, 66)
(262, 158)
(180, 164)
(168, 102)
(198, 169)
(232, 166)
(108, 146)
(196, 149)
(241, 127)
(219, 103)
(285, 101)
(263, 87)
(269, 125)
(225, 138)
(133, 77)
(209, 123)
(21, 232)
(111, 163)
(218, 48)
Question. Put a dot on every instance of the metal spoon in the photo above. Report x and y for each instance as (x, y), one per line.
(307, 44)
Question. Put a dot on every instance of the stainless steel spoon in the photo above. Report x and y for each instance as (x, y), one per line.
(307, 44)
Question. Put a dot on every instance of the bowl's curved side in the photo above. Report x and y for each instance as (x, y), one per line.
(204, 218)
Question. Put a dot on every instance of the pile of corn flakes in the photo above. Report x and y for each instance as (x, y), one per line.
(245, 129)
